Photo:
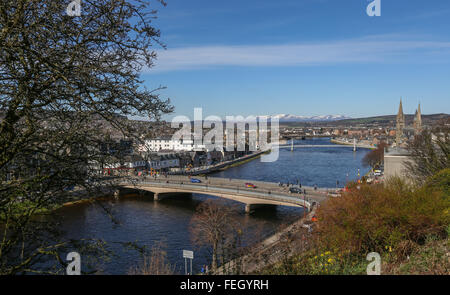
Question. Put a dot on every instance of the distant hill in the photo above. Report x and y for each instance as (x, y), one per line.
(388, 120)
(288, 118)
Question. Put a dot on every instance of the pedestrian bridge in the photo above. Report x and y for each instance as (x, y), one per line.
(251, 197)
(348, 145)
(286, 146)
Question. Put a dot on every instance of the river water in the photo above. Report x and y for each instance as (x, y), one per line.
(146, 222)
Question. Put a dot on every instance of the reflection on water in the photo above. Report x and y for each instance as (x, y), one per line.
(144, 221)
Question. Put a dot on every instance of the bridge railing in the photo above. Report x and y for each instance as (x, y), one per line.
(233, 182)
(202, 188)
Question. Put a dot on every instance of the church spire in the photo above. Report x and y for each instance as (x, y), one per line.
(400, 124)
(418, 121)
(400, 108)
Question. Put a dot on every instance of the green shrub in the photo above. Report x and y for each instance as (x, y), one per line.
(409, 227)
(379, 217)
(315, 262)
(440, 181)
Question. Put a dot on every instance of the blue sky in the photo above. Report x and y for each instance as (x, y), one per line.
(303, 57)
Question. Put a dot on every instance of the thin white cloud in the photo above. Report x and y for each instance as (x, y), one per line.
(364, 50)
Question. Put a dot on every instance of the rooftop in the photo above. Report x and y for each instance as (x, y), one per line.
(396, 151)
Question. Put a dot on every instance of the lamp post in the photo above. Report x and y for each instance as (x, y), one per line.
(304, 204)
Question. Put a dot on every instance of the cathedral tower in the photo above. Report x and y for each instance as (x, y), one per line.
(400, 124)
(418, 121)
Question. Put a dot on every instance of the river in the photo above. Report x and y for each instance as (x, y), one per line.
(146, 222)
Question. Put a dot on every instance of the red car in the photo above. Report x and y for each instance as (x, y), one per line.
(248, 184)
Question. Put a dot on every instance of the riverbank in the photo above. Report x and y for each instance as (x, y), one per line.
(242, 162)
(86, 200)
(82, 196)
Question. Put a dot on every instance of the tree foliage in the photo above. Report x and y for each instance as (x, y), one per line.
(214, 226)
(154, 262)
(375, 216)
(64, 81)
(429, 152)
(375, 157)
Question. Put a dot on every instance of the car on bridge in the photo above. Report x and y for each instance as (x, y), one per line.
(334, 194)
(249, 184)
(195, 180)
(295, 190)
(69, 188)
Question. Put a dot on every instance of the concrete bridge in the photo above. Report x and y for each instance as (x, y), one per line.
(265, 193)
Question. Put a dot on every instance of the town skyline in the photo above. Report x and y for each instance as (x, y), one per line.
(295, 117)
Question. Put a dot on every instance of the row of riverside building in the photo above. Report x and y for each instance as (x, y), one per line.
(161, 155)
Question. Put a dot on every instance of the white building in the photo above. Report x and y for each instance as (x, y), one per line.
(163, 162)
(394, 163)
(128, 162)
(167, 143)
(157, 144)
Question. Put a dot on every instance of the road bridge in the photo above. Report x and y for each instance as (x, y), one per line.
(265, 193)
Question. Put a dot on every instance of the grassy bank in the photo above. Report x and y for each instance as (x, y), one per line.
(18, 209)
(431, 258)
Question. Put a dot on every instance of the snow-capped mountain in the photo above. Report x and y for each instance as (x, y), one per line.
(295, 118)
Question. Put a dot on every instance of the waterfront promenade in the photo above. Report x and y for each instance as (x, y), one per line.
(218, 166)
